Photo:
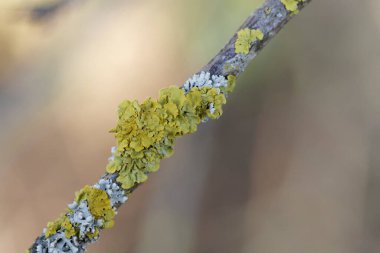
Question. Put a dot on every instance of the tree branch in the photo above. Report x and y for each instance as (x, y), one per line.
(270, 18)
(230, 62)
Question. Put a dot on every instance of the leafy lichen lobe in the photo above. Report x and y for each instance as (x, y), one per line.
(145, 132)
(99, 205)
(245, 38)
(292, 5)
(63, 223)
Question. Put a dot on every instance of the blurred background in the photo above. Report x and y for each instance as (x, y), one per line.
(293, 166)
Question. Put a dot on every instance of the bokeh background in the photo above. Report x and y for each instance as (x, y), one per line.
(293, 166)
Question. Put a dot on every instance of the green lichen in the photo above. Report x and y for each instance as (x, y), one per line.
(245, 38)
(145, 132)
(62, 222)
(231, 83)
(292, 5)
(93, 235)
(98, 203)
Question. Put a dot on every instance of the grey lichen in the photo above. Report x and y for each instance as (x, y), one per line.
(81, 217)
(116, 193)
(113, 151)
(205, 79)
(211, 108)
(58, 243)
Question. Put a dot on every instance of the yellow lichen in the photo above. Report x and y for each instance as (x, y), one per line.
(62, 222)
(231, 83)
(52, 227)
(93, 235)
(145, 132)
(99, 206)
(245, 38)
(292, 5)
(68, 227)
(98, 203)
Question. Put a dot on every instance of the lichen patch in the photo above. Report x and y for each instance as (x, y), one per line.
(245, 38)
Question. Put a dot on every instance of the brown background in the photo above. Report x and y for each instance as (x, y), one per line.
(293, 166)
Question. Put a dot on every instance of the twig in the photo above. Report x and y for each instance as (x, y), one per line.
(231, 61)
(270, 18)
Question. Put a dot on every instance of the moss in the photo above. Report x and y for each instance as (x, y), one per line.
(245, 38)
(292, 5)
(145, 132)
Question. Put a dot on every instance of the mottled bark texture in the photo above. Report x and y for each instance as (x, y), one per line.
(270, 18)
